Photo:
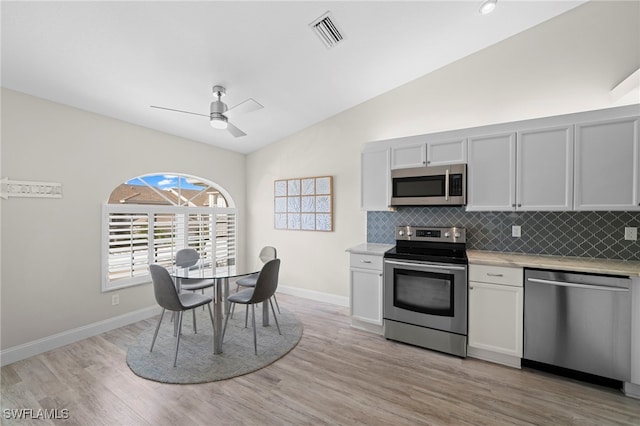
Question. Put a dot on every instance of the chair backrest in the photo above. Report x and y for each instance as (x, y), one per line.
(267, 282)
(164, 288)
(186, 258)
(267, 253)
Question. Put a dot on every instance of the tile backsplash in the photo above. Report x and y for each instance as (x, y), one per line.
(583, 234)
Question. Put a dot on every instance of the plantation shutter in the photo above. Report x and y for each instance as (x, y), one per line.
(137, 235)
(225, 239)
(128, 245)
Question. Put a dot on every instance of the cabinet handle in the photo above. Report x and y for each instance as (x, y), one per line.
(471, 288)
(364, 261)
(494, 275)
(513, 205)
(519, 205)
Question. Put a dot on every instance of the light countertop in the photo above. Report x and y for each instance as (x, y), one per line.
(578, 264)
(370, 248)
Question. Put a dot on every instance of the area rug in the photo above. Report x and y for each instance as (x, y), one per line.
(196, 361)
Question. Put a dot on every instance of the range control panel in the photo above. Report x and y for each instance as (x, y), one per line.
(434, 234)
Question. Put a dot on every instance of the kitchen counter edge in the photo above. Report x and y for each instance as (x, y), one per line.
(579, 264)
(370, 248)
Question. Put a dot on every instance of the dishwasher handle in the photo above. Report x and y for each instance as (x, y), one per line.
(576, 285)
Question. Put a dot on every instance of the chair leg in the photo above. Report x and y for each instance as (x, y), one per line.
(175, 358)
(275, 317)
(253, 321)
(226, 320)
(276, 300)
(195, 329)
(153, 342)
(232, 310)
(246, 316)
(213, 326)
(211, 314)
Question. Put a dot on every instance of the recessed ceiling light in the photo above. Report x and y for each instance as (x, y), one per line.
(487, 7)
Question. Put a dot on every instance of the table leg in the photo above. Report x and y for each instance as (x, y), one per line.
(218, 306)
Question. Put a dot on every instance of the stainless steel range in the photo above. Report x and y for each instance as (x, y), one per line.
(425, 289)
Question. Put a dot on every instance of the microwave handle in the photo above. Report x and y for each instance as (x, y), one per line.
(446, 185)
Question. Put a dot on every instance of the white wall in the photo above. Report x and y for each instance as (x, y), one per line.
(51, 248)
(568, 64)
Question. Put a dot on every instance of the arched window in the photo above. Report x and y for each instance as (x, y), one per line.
(148, 218)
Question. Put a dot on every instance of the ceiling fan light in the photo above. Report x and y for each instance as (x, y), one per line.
(218, 121)
(487, 7)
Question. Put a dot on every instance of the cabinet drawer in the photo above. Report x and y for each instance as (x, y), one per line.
(496, 275)
(366, 261)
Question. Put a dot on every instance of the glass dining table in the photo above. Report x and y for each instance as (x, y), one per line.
(219, 277)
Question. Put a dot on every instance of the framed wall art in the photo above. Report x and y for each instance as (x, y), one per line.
(304, 204)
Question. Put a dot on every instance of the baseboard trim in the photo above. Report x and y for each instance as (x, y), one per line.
(36, 347)
(363, 325)
(315, 295)
(495, 357)
(631, 390)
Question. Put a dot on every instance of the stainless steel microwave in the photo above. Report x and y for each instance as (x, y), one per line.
(429, 186)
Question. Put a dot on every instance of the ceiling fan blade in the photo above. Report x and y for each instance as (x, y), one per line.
(244, 107)
(235, 131)
(179, 110)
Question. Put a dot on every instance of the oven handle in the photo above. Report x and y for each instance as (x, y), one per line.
(426, 265)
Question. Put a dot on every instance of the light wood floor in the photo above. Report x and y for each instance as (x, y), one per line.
(336, 375)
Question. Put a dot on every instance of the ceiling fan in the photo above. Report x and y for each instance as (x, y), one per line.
(218, 117)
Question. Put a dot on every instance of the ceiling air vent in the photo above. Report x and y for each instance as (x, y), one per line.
(327, 30)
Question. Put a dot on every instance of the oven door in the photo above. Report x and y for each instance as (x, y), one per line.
(429, 295)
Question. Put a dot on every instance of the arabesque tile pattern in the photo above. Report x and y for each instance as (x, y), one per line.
(583, 234)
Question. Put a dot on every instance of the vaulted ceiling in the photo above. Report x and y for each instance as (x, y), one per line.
(117, 58)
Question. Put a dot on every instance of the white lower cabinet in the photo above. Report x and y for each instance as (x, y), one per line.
(495, 314)
(366, 291)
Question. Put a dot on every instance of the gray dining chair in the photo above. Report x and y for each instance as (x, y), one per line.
(265, 287)
(168, 298)
(266, 254)
(186, 258)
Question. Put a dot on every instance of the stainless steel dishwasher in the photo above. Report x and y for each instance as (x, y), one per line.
(581, 322)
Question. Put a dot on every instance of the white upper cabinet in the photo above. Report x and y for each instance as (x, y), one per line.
(375, 180)
(491, 172)
(581, 161)
(406, 156)
(452, 151)
(607, 165)
(524, 170)
(544, 169)
(429, 153)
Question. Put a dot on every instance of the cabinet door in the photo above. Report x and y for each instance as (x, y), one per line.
(375, 180)
(405, 156)
(366, 295)
(606, 169)
(495, 318)
(440, 153)
(545, 169)
(491, 173)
